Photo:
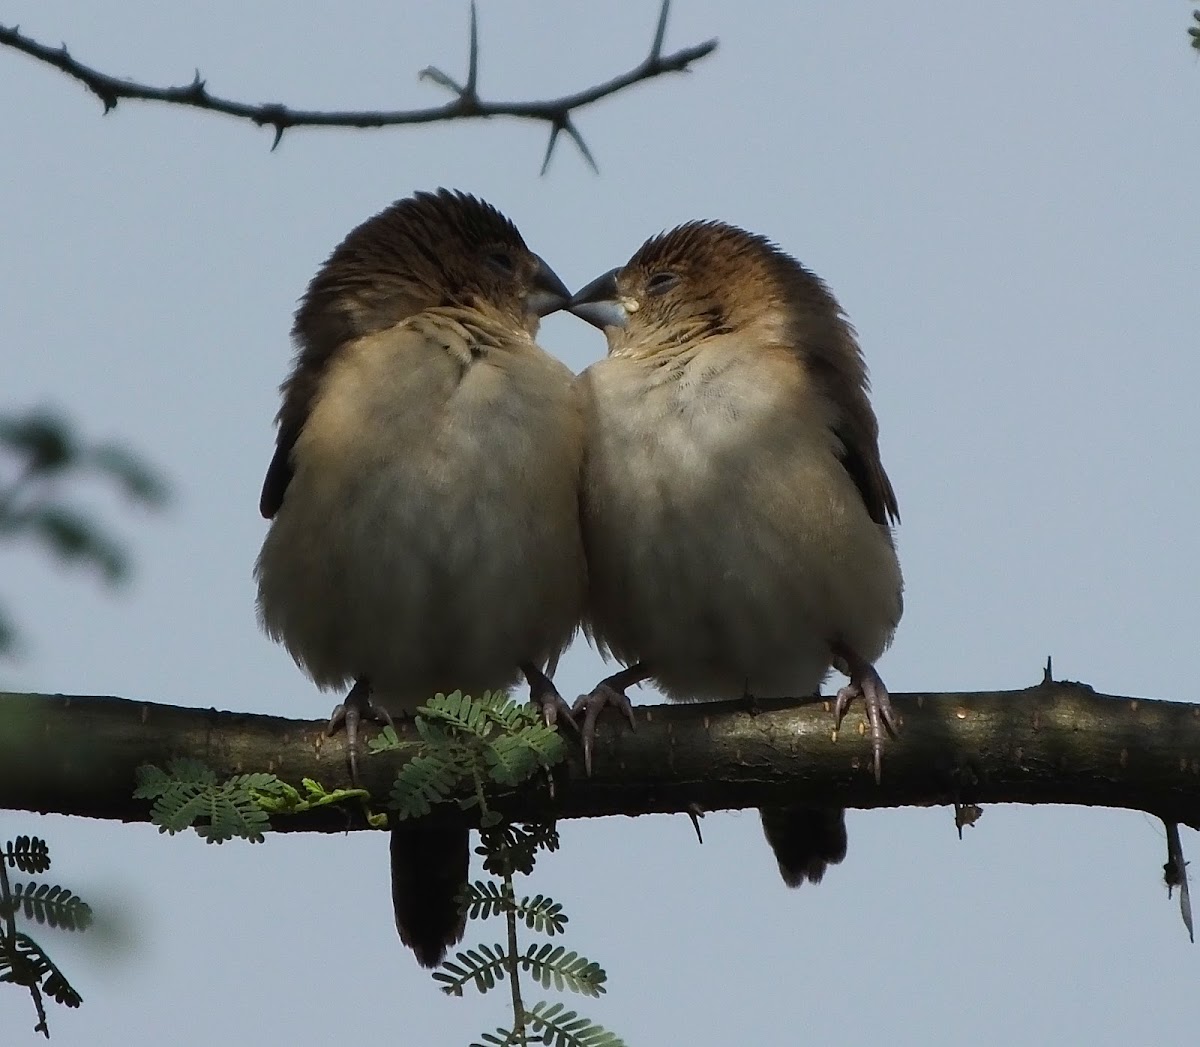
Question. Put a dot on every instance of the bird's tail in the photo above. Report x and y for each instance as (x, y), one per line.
(806, 840)
(429, 869)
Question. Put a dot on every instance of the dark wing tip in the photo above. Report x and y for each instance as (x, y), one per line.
(279, 475)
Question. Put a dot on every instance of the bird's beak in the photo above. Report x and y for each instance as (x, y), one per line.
(549, 293)
(599, 303)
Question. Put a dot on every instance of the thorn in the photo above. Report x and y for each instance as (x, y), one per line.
(468, 95)
(751, 702)
(966, 814)
(555, 127)
(196, 90)
(659, 33)
(279, 128)
(695, 812)
(472, 57)
(1048, 672)
(577, 138)
(1175, 875)
(432, 72)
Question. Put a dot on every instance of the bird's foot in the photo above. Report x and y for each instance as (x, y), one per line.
(545, 696)
(608, 692)
(555, 709)
(866, 683)
(357, 707)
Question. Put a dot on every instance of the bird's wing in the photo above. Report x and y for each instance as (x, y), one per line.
(860, 458)
(841, 377)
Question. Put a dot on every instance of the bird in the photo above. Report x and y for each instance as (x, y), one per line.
(737, 518)
(423, 496)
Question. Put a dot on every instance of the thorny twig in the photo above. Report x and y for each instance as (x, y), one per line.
(466, 104)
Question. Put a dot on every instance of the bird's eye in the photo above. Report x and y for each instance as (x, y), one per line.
(661, 283)
(502, 261)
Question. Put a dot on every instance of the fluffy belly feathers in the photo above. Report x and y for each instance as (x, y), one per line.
(729, 547)
(429, 537)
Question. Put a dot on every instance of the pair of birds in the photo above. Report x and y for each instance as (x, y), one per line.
(449, 503)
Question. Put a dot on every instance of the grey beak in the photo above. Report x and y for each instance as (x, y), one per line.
(549, 293)
(599, 304)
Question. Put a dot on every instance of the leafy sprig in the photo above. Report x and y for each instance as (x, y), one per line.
(187, 795)
(465, 745)
(23, 961)
(464, 748)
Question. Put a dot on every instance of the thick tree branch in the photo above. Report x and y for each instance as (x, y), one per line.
(466, 104)
(1054, 743)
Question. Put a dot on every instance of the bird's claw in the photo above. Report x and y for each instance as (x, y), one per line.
(545, 696)
(592, 705)
(357, 707)
(555, 710)
(866, 683)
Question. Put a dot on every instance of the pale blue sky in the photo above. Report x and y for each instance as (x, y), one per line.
(1002, 196)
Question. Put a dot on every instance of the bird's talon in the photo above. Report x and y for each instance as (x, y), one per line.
(555, 710)
(866, 683)
(591, 706)
(348, 715)
(545, 696)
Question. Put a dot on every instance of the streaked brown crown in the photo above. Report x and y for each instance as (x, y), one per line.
(728, 278)
(430, 249)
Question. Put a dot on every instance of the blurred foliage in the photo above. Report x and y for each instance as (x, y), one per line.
(40, 452)
(1194, 31)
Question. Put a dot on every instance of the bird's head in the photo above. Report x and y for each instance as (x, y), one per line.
(431, 249)
(702, 279)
